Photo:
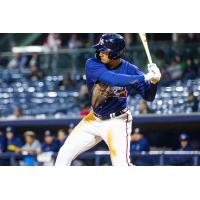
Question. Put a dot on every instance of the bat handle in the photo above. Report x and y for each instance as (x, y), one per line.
(149, 58)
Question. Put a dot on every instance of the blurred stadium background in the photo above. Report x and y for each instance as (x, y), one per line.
(43, 96)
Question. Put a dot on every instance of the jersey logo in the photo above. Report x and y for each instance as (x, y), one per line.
(119, 92)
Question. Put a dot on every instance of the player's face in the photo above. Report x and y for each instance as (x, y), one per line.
(104, 56)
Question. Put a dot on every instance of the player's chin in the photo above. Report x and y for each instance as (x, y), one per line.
(104, 61)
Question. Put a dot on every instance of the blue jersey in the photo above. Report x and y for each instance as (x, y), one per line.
(141, 145)
(54, 146)
(121, 80)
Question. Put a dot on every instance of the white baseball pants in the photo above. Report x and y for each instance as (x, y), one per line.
(91, 130)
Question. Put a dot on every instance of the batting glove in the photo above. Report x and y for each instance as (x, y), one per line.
(149, 76)
(154, 69)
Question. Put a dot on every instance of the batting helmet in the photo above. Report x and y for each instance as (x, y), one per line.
(112, 43)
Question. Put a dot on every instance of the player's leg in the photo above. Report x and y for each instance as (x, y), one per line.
(79, 140)
(117, 138)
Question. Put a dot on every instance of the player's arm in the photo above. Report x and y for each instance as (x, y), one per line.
(111, 78)
(145, 88)
(98, 72)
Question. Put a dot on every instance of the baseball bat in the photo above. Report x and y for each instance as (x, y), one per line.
(145, 44)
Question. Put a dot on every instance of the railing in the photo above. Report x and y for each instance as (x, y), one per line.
(152, 158)
(173, 158)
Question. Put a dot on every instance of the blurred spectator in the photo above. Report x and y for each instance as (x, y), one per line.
(66, 83)
(14, 62)
(31, 148)
(192, 102)
(17, 113)
(23, 62)
(14, 143)
(138, 142)
(74, 42)
(83, 101)
(50, 146)
(184, 142)
(50, 143)
(3, 61)
(62, 136)
(34, 61)
(53, 42)
(71, 128)
(174, 70)
(190, 70)
(18, 62)
(160, 58)
(3, 142)
(143, 108)
(184, 145)
(3, 148)
(32, 145)
(128, 39)
(190, 38)
(35, 73)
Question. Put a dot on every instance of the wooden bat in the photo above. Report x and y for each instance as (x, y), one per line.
(146, 48)
(145, 44)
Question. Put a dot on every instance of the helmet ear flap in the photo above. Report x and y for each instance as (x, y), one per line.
(116, 55)
(112, 56)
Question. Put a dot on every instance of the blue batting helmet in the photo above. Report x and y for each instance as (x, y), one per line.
(112, 43)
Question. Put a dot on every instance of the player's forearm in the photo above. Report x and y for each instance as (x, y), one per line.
(120, 79)
(150, 92)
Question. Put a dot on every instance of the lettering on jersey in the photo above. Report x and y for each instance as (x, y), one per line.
(119, 91)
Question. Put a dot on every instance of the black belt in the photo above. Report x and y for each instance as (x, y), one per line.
(112, 115)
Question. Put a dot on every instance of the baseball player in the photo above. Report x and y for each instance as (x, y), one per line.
(109, 79)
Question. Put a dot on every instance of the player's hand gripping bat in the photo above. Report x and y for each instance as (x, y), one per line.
(146, 48)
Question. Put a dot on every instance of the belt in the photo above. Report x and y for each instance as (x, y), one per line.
(112, 115)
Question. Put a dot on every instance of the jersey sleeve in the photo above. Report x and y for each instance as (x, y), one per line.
(145, 88)
(98, 72)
